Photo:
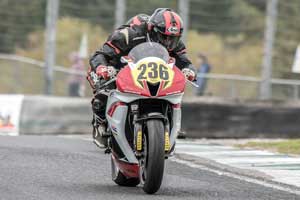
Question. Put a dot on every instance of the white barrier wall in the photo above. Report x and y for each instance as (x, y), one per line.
(43, 115)
(203, 117)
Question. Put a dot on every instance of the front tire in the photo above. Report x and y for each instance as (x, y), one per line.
(153, 169)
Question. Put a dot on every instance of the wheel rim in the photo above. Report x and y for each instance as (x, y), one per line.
(143, 161)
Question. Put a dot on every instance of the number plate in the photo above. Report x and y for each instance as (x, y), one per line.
(154, 71)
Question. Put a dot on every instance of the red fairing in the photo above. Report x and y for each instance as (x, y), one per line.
(177, 86)
(128, 169)
(125, 83)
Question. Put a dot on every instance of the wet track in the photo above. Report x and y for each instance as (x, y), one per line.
(49, 167)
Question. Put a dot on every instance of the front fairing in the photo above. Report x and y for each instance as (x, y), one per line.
(150, 73)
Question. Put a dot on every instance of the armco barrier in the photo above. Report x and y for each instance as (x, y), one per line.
(55, 115)
(209, 118)
(201, 117)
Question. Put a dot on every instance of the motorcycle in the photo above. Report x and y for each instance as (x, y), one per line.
(143, 115)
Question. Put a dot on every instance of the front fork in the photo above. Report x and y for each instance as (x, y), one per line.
(138, 136)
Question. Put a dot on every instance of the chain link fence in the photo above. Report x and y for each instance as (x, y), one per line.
(229, 33)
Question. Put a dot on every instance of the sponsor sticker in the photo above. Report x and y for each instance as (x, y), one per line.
(10, 109)
(173, 30)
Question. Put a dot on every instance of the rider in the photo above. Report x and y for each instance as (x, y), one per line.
(163, 26)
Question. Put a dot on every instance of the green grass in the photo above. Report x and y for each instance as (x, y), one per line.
(291, 146)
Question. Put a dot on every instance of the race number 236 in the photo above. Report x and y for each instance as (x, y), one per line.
(152, 70)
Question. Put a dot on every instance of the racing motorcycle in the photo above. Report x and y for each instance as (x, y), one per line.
(144, 116)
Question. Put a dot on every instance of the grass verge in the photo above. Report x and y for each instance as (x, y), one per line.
(291, 146)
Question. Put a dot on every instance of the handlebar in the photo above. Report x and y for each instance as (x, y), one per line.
(193, 83)
(103, 86)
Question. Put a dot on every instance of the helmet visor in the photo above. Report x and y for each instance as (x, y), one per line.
(168, 41)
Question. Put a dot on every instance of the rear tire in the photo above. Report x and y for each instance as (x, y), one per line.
(155, 158)
(120, 179)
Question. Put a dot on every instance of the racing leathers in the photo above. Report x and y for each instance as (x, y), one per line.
(123, 40)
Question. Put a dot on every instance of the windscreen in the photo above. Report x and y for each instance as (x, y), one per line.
(148, 49)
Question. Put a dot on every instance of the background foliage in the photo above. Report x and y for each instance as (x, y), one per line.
(229, 32)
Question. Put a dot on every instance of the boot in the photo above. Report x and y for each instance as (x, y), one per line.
(100, 135)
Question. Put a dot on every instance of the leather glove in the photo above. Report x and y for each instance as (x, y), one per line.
(189, 74)
(106, 72)
(90, 78)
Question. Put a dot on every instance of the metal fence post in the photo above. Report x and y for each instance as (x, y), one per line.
(271, 15)
(120, 12)
(183, 8)
(51, 18)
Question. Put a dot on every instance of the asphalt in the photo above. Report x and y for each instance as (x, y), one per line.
(50, 167)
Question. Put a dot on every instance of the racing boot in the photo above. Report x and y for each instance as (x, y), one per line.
(99, 123)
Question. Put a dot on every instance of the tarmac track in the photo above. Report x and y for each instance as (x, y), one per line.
(51, 167)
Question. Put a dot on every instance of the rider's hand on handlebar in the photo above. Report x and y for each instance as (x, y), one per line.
(106, 72)
(189, 74)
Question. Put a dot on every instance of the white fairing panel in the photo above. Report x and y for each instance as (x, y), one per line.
(117, 125)
(176, 125)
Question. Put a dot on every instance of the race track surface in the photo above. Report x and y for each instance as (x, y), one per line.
(50, 167)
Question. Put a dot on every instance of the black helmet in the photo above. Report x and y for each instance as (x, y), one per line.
(165, 27)
(138, 19)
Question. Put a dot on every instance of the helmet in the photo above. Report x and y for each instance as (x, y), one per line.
(138, 19)
(165, 27)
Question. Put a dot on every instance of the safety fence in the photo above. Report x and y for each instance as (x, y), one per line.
(247, 87)
(26, 76)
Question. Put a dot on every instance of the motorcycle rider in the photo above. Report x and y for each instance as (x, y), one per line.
(163, 26)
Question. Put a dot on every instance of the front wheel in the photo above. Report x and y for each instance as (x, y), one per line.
(153, 161)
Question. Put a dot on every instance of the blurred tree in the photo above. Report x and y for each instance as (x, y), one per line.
(98, 12)
(238, 22)
(135, 7)
(226, 17)
(19, 17)
(68, 40)
(259, 4)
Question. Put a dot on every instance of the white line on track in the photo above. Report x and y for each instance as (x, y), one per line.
(232, 175)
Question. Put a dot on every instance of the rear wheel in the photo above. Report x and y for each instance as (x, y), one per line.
(153, 161)
(120, 179)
